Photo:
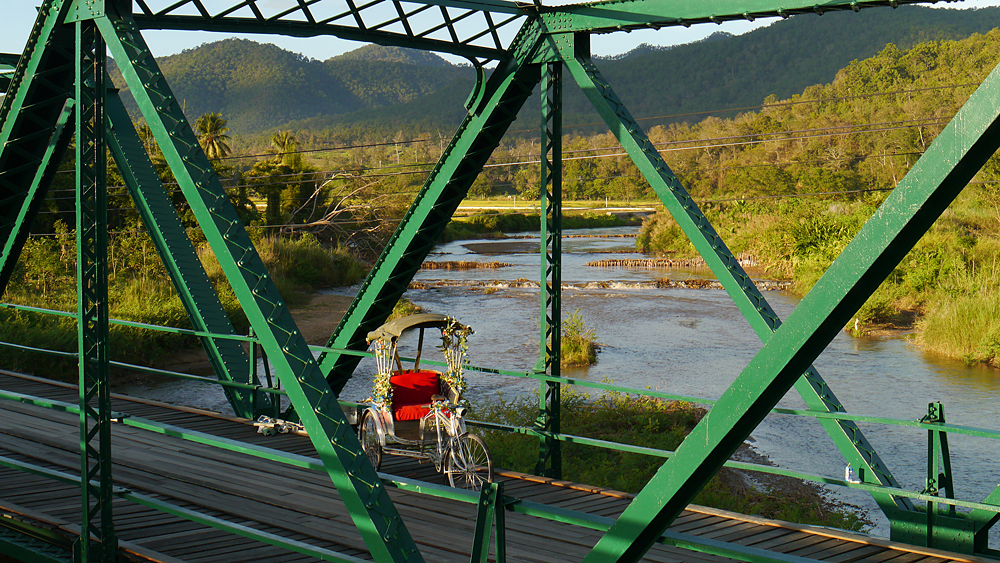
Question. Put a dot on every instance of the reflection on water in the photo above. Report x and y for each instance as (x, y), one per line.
(695, 342)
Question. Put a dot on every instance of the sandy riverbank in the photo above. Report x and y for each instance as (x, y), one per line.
(317, 320)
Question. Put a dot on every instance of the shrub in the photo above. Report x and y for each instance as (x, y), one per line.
(577, 346)
(652, 423)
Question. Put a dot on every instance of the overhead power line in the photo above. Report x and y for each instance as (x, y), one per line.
(648, 118)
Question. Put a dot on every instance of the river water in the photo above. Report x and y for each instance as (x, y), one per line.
(694, 342)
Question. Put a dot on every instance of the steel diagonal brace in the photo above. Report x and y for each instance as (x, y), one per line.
(449, 182)
(197, 294)
(307, 29)
(366, 499)
(757, 311)
(934, 181)
(32, 201)
(29, 151)
(984, 521)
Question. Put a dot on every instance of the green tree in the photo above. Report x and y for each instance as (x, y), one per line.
(283, 143)
(212, 130)
(269, 179)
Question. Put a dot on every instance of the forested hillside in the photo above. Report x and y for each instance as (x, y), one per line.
(679, 82)
(375, 92)
(261, 86)
(792, 183)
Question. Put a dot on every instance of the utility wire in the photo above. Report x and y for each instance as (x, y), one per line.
(936, 121)
(591, 178)
(667, 116)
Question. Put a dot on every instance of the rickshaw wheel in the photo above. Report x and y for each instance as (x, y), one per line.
(469, 464)
(368, 436)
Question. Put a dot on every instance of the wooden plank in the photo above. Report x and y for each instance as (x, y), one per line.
(738, 529)
(818, 549)
(800, 544)
(862, 553)
(692, 526)
(590, 502)
(779, 540)
(754, 535)
(721, 526)
(299, 503)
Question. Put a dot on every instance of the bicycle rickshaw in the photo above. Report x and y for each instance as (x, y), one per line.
(418, 413)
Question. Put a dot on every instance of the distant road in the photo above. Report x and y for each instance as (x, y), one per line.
(565, 208)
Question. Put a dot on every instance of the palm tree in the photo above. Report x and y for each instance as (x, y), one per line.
(211, 129)
(283, 143)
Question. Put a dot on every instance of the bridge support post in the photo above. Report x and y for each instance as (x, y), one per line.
(490, 515)
(938, 458)
(550, 243)
(92, 298)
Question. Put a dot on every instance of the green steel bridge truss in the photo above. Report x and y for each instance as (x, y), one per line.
(60, 80)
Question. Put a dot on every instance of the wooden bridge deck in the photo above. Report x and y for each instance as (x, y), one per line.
(303, 505)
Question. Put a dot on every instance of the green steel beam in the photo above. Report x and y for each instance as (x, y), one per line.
(305, 29)
(296, 546)
(40, 87)
(490, 510)
(506, 91)
(626, 15)
(228, 357)
(181, 512)
(92, 298)
(935, 180)
(22, 547)
(762, 318)
(469, 28)
(35, 195)
(366, 499)
(984, 521)
(550, 289)
(8, 64)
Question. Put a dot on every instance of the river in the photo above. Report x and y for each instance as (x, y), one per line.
(695, 342)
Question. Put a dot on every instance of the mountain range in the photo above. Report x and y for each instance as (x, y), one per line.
(374, 91)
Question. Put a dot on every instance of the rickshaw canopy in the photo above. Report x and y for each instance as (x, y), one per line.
(393, 329)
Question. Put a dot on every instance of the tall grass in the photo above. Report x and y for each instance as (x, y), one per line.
(949, 280)
(297, 266)
(963, 320)
(139, 290)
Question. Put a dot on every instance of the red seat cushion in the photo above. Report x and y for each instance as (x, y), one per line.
(412, 392)
(410, 412)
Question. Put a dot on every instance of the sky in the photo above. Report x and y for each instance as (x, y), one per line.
(19, 15)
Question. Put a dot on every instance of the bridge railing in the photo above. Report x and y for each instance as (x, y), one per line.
(929, 496)
(492, 501)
